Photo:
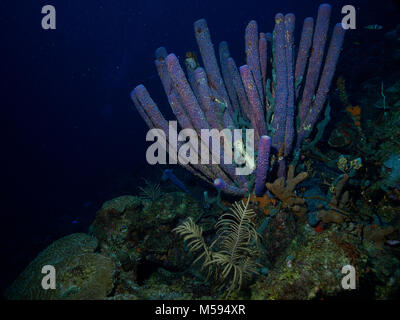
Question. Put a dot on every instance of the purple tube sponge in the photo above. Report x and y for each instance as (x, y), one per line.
(169, 174)
(228, 188)
(264, 148)
(191, 105)
(289, 129)
(208, 107)
(191, 65)
(332, 57)
(281, 85)
(207, 52)
(179, 111)
(253, 55)
(263, 51)
(141, 96)
(240, 91)
(208, 97)
(207, 102)
(304, 51)
(281, 167)
(257, 110)
(161, 54)
(141, 111)
(186, 94)
(147, 108)
(314, 66)
(224, 55)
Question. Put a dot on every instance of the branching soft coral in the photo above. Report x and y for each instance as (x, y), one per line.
(284, 191)
(232, 256)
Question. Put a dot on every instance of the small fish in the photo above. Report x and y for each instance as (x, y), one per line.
(392, 242)
(75, 222)
(356, 43)
(373, 27)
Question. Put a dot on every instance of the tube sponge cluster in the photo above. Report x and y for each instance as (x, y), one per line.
(280, 98)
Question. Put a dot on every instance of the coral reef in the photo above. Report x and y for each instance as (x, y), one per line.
(322, 194)
(125, 235)
(138, 256)
(81, 273)
(232, 256)
(311, 267)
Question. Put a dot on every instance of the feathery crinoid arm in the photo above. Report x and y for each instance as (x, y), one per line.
(236, 259)
(192, 234)
(232, 255)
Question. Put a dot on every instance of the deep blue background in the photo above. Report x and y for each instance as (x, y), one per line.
(70, 134)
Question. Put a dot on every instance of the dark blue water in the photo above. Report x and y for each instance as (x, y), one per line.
(71, 137)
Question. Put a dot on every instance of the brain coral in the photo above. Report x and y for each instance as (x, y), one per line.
(80, 273)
